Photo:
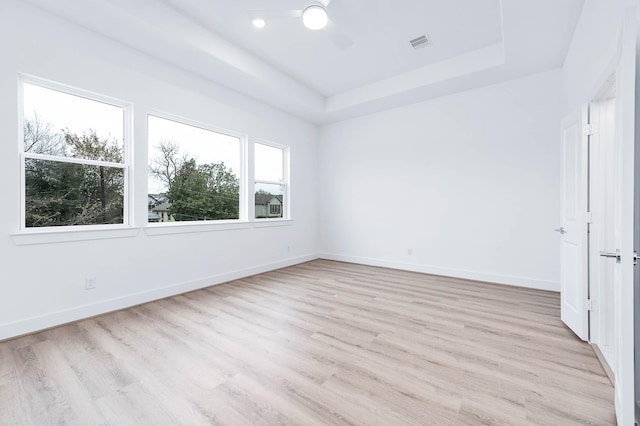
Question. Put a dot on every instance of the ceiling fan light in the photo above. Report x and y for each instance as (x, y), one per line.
(315, 17)
(259, 23)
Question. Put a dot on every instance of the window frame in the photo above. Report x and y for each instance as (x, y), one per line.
(126, 165)
(188, 226)
(286, 196)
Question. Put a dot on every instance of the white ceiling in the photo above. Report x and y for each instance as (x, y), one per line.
(475, 43)
(380, 47)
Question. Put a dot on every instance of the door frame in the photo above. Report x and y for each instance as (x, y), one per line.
(628, 98)
(627, 103)
(601, 209)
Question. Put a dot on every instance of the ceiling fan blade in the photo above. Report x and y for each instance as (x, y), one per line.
(275, 14)
(339, 38)
(325, 3)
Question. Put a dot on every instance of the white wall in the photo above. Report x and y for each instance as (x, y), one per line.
(469, 182)
(593, 50)
(43, 284)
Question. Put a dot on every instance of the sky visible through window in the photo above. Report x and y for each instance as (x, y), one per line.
(269, 163)
(205, 146)
(269, 167)
(79, 115)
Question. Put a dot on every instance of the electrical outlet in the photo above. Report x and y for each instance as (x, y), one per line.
(90, 283)
(289, 248)
(410, 252)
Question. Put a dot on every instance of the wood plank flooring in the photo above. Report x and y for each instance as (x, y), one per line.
(318, 343)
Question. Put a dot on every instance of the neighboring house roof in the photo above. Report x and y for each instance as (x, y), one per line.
(266, 198)
(157, 199)
(153, 216)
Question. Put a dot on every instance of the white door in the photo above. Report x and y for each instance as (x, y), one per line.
(624, 227)
(573, 255)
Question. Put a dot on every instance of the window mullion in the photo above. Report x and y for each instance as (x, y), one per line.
(270, 182)
(72, 160)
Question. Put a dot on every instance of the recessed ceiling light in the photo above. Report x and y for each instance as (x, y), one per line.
(259, 23)
(315, 17)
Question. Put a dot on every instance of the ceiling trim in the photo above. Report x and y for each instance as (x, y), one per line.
(201, 51)
(468, 63)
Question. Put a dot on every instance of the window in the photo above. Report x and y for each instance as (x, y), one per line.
(271, 176)
(275, 210)
(74, 156)
(194, 173)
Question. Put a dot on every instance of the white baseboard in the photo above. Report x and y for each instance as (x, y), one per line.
(42, 322)
(448, 272)
(604, 362)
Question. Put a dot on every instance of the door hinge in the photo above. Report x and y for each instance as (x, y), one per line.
(589, 217)
(589, 305)
(635, 258)
(590, 129)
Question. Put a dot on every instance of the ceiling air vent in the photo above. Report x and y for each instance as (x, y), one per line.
(421, 41)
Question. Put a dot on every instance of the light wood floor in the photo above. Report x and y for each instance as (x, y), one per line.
(318, 343)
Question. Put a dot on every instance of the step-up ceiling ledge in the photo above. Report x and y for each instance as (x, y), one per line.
(466, 64)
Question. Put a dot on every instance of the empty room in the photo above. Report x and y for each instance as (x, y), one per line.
(319, 212)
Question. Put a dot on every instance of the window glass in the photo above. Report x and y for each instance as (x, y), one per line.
(64, 194)
(55, 122)
(194, 173)
(270, 182)
(269, 163)
(74, 159)
(269, 199)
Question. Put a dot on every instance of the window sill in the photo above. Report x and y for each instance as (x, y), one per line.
(50, 236)
(267, 223)
(182, 227)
